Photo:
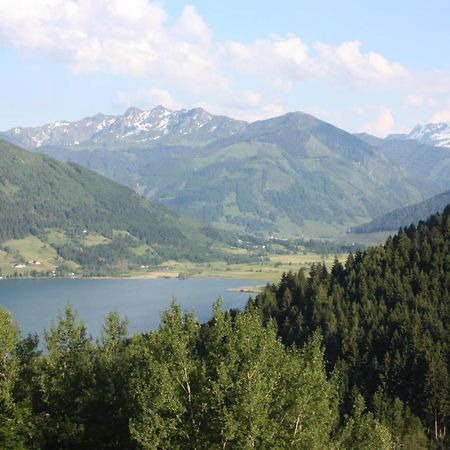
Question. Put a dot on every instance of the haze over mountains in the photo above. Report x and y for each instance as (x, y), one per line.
(139, 126)
(293, 174)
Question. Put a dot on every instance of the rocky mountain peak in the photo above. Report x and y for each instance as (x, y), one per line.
(133, 126)
(437, 134)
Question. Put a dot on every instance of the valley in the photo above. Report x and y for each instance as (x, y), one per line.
(292, 177)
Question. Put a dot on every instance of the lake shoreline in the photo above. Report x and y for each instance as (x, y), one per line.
(149, 276)
(155, 276)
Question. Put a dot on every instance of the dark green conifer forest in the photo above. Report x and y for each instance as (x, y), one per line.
(357, 357)
(384, 317)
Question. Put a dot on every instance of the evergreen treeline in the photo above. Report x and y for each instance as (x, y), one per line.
(385, 320)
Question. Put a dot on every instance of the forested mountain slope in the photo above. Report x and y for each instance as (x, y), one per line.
(385, 317)
(48, 199)
(407, 215)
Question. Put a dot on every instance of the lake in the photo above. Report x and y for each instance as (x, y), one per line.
(34, 303)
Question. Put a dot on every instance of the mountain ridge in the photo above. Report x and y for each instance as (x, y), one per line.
(133, 125)
(435, 134)
(293, 174)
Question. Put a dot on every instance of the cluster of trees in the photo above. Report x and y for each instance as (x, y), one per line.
(230, 383)
(384, 317)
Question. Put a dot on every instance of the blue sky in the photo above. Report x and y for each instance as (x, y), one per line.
(379, 67)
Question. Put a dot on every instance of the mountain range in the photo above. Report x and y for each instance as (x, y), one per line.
(293, 174)
(162, 124)
(437, 134)
(133, 127)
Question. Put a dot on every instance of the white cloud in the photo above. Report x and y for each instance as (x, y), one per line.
(191, 26)
(419, 101)
(383, 125)
(357, 110)
(133, 38)
(291, 60)
(129, 38)
(441, 116)
(137, 38)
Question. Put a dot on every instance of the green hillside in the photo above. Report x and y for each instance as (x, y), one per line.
(427, 164)
(85, 220)
(402, 217)
(293, 175)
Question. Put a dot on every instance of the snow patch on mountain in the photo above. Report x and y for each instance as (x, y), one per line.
(437, 134)
(134, 126)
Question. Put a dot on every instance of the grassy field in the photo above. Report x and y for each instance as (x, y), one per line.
(39, 256)
(57, 238)
(270, 270)
(31, 252)
(36, 255)
(92, 239)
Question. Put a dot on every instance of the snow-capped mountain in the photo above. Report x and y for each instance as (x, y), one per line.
(437, 134)
(134, 126)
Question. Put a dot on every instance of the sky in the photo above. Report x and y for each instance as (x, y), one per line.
(379, 67)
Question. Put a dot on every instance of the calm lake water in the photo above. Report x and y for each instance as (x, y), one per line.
(35, 303)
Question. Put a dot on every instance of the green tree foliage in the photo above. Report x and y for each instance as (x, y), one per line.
(363, 431)
(384, 317)
(110, 405)
(13, 427)
(66, 383)
(167, 389)
(228, 384)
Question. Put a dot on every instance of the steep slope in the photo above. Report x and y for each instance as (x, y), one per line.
(40, 196)
(292, 174)
(428, 164)
(289, 174)
(407, 215)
